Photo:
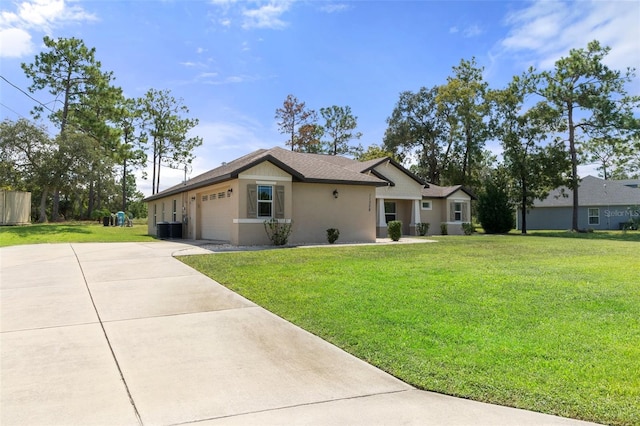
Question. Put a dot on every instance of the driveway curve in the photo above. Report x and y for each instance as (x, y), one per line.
(125, 334)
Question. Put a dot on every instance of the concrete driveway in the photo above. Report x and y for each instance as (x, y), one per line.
(124, 334)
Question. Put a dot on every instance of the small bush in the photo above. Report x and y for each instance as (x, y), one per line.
(443, 229)
(278, 232)
(495, 211)
(468, 228)
(422, 228)
(332, 235)
(394, 228)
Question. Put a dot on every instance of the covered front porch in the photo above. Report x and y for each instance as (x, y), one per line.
(405, 210)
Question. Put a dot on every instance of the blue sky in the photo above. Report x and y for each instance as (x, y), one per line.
(234, 62)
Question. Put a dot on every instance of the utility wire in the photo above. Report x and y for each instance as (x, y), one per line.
(26, 94)
(13, 111)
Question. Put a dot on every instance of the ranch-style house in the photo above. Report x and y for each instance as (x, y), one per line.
(312, 191)
(603, 205)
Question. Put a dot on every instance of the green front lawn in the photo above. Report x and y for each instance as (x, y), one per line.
(71, 232)
(546, 324)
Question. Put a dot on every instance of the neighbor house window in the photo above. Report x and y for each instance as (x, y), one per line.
(163, 211)
(389, 211)
(426, 205)
(594, 216)
(265, 201)
(155, 214)
(174, 213)
(457, 212)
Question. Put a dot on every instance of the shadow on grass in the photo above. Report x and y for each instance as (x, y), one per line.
(26, 231)
(597, 235)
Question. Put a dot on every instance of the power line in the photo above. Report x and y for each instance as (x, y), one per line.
(13, 111)
(26, 94)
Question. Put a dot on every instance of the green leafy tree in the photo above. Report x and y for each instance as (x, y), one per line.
(339, 128)
(26, 154)
(69, 71)
(495, 210)
(294, 116)
(161, 116)
(592, 101)
(417, 128)
(130, 153)
(462, 101)
(373, 152)
(533, 167)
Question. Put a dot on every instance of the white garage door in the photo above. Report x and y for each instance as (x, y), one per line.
(212, 222)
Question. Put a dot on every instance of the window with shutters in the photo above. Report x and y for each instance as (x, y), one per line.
(265, 201)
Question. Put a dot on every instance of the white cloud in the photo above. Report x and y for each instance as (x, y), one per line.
(335, 7)
(267, 16)
(472, 31)
(545, 31)
(42, 16)
(15, 43)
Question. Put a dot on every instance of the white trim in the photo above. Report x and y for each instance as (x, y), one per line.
(271, 182)
(396, 197)
(422, 207)
(242, 220)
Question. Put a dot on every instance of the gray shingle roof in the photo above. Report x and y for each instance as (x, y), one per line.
(435, 191)
(593, 191)
(316, 168)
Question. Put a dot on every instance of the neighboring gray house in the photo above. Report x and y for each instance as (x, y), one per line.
(603, 204)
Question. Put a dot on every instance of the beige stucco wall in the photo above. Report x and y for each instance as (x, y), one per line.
(404, 186)
(315, 210)
(441, 213)
(161, 210)
(250, 231)
(15, 208)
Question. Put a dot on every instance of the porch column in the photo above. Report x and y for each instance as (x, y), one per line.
(415, 218)
(381, 226)
(382, 222)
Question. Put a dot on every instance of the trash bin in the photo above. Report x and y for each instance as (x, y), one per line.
(163, 230)
(105, 220)
(175, 230)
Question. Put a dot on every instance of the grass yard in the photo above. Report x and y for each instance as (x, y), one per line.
(71, 232)
(546, 324)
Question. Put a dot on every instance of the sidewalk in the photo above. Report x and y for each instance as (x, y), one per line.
(124, 334)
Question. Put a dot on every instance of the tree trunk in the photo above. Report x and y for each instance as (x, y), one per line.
(55, 209)
(43, 206)
(90, 202)
(523, 221)
(124, 185)
(574, 168)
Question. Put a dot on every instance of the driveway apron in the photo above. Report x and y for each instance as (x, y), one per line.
(125, 334)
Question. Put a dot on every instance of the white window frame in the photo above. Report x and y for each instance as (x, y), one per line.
(429, 207)
(394, 212)
(592, 216)
(260, 202)
(457, 214)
